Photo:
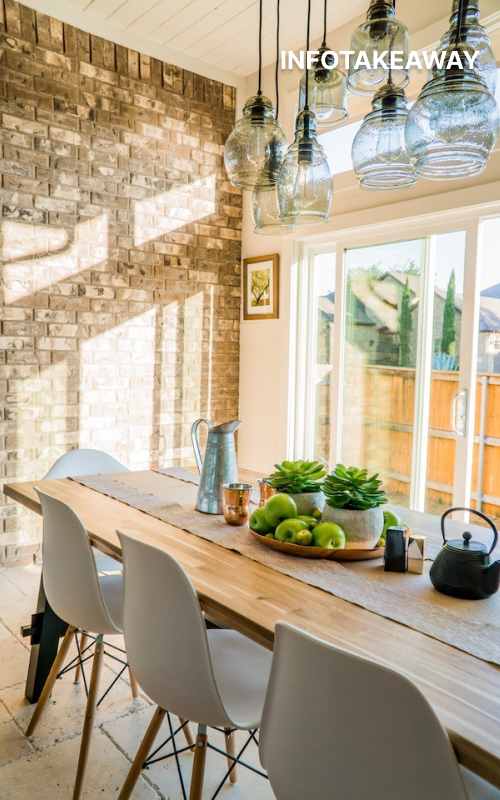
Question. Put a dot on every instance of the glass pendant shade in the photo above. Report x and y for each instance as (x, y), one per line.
(305, 181)
(256, 146)
(266, 213)
(379, 153)
(381, 33)
(327, 94)
(477, 39)
(452, 128)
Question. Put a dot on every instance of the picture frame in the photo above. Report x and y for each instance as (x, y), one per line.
(261, 287)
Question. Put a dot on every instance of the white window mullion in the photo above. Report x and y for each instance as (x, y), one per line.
(338, 348)
(465, 406)
(423, 381)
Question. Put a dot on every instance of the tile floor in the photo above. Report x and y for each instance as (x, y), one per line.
(44, 767)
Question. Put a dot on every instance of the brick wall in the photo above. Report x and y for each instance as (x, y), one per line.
(120, 254)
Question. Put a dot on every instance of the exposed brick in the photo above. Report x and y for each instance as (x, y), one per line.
(123, 277)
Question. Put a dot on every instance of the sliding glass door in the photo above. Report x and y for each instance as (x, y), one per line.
(394, 328)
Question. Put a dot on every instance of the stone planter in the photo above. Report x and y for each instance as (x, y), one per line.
(362, 528)
(307, 502)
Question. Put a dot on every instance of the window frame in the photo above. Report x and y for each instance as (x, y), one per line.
(338, 242)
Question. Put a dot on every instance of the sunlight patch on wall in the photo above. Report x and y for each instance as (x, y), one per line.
(169, 211)
(117, 375)
(49, 258)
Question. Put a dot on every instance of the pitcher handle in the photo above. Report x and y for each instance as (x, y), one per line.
(196, 440)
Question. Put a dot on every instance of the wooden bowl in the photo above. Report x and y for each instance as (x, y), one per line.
(347, 554)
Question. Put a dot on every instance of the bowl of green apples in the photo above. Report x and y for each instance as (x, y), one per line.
(279, 526)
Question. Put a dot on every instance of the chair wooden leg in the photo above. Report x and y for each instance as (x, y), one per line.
(134, 686)
(83, 643)
(187, 733)
(230, 750)
(142, 754)
(51, 679)
(89, 717)
(200, 754)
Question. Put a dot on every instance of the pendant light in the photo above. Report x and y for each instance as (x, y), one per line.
(256, 146)
(305, 181)
(265, 202)
(452, 128)
(379, 155)
(380, 33)
(476, 37)
(327, 87)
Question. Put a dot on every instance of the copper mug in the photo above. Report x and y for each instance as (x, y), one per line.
(265, 491)
(236, 503)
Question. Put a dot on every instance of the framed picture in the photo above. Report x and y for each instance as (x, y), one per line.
(261, 287)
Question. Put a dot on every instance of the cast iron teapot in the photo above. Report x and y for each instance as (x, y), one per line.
(463, 567)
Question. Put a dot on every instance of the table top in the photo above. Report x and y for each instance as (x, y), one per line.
(250, 597)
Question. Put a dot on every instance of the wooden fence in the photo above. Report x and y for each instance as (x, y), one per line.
(378, 432)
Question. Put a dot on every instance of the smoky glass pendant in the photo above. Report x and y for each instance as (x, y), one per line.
(305, 181)
(452, 128)
(255, 148)
(327, 94)
(380, 33)
(379, 155)
(266, 213)
(477, 40)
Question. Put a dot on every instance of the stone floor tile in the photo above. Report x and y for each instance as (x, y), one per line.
(26, 578)
(63, 716)
(163, 775)
(13, 745)
(50, 775)
(13, 659)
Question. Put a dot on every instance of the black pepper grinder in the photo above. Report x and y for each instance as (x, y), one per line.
(395, 550)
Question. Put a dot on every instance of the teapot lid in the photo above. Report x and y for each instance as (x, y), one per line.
(467, 545)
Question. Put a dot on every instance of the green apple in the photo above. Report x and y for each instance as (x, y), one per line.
(269, 536)
(317, 514)
(259, 523)
(288, 530)
(304, 538)
(278, 508)
(310, 521)
(329, 535)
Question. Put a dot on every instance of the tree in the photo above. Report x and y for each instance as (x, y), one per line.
(405, 327)
(449, 334)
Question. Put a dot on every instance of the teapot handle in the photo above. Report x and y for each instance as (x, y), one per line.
(196, 440)
(478, 514)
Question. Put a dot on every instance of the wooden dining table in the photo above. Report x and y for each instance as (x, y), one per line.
(240, 593)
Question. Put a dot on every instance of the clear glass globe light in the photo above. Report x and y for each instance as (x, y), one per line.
(381, 33)
(305, 181)
(379, 153)
(255, 147)
(452, 128)
(477, 40)
(327, 93)
(266, 213)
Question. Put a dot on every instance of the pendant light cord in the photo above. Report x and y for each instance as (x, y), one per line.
(260, 49)
(462, 8)
(325, 15)
(277, 67)
(306, 103)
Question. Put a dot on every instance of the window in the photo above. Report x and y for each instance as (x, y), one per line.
(401, 339)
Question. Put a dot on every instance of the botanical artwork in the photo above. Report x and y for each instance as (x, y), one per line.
(261, 287)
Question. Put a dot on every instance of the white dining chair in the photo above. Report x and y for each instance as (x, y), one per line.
(336, 725)
(85, 461)
(83, 599)
(215, 678)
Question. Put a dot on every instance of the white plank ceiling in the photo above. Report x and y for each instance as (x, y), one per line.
(219, 37)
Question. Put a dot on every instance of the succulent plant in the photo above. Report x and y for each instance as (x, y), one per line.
(297, 477)
(353, 488)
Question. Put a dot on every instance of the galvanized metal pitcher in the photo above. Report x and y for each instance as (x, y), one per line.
(219, 465)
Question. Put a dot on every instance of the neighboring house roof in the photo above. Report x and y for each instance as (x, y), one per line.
(377, 300)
